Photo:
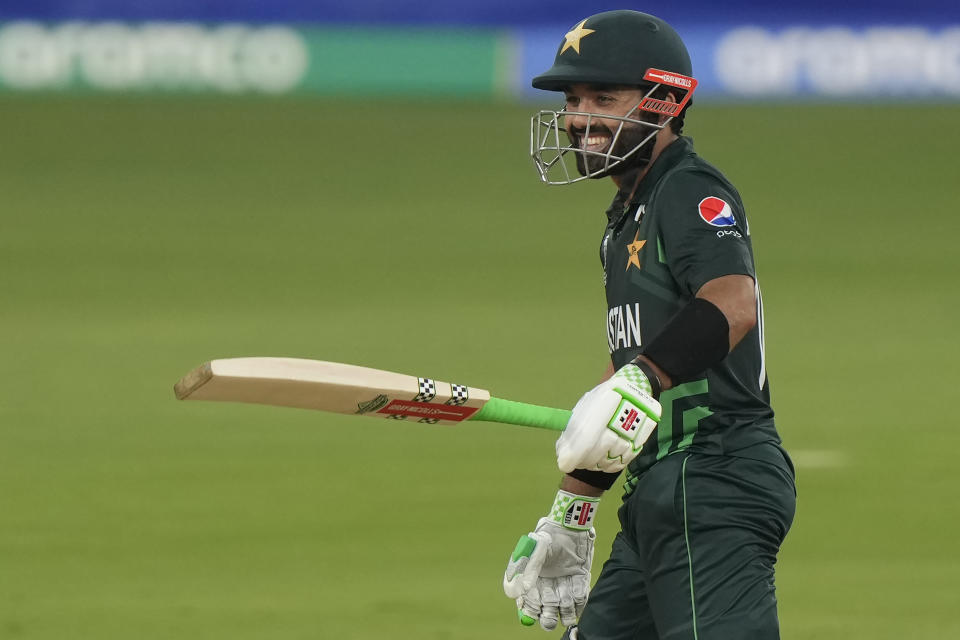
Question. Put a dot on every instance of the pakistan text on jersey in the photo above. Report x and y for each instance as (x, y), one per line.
(623, 327)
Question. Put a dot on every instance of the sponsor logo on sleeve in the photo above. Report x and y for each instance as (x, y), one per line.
(724, 233)
(716, 212)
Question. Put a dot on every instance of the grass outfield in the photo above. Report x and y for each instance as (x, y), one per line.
(140, 237)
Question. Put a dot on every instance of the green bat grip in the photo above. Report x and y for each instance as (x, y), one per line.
(527, 415)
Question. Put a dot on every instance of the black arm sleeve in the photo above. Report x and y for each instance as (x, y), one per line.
(694, 340)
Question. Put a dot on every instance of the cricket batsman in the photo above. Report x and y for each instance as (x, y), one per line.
(709, 491)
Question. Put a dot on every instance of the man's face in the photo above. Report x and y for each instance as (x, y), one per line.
(596, 134)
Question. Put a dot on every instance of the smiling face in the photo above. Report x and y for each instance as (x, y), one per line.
(604, 140)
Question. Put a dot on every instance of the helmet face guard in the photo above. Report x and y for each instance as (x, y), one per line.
(553, 156)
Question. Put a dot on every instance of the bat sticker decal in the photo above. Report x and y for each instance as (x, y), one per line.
(372, 405)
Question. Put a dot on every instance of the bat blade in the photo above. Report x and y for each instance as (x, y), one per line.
(332, 387)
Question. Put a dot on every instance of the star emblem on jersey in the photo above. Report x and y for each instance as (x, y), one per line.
(716, 212)
(633, 252)
(574, 36)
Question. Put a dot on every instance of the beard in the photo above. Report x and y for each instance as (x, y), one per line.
(631, 136)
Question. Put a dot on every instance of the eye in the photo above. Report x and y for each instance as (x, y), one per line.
(572, 101)
(605, 99)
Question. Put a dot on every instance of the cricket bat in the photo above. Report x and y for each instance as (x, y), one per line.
(350, 389)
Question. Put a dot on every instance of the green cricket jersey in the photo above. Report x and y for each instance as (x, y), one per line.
(685, 225)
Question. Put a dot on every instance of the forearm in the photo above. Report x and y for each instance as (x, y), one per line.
(608, 372)
(573, 485)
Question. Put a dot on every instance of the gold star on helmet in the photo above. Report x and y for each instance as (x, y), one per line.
(573, 37)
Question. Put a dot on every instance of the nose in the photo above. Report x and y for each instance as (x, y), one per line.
(576, 121)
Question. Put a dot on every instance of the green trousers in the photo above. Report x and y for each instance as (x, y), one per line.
(694, 559)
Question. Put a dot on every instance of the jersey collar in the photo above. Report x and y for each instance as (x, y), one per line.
(667, 159)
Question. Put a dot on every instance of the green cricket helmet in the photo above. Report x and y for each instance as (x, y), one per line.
(614, 48)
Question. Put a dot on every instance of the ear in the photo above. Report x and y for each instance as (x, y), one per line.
(672, 98)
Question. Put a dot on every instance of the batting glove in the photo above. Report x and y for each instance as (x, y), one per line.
(609, 424)
(549, 571)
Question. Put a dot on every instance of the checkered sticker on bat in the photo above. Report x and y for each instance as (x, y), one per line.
(428, 390)
(459, 394)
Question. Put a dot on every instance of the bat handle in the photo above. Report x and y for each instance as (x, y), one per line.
(521, 413)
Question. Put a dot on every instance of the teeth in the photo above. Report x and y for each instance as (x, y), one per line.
(597, 141)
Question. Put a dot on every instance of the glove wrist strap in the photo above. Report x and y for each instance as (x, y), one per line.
(572, 511)
(656, 386)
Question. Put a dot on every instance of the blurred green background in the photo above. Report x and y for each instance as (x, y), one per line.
(142, 236)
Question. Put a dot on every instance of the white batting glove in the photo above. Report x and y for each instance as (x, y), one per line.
(549, 571)
(609, 424)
